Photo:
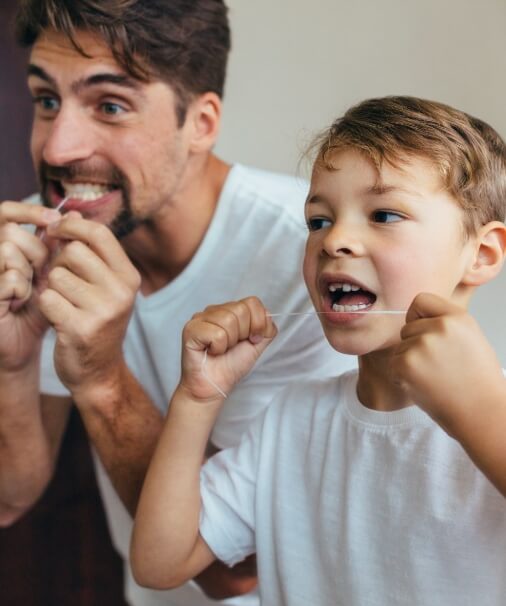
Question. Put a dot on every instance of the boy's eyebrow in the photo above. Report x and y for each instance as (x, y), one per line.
(94, 80)
(380, 189)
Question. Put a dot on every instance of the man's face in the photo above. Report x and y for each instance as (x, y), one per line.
(104, 140)
(375, 242)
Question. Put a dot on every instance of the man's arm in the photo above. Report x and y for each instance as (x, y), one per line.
(167, 548)
(451, 371)
(31, 431)
(30, 428)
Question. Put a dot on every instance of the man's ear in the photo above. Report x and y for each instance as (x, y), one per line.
(204, 115)
(488, 254)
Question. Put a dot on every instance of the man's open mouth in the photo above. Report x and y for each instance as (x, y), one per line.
(85, 192)
(349, 297)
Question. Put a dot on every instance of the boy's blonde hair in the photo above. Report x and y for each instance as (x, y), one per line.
(469, 154)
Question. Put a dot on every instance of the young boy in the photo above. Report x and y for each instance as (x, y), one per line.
(382, 486)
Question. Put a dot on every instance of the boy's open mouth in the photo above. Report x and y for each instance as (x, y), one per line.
(349, 297)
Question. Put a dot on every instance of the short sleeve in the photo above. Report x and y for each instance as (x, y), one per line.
(228, 489)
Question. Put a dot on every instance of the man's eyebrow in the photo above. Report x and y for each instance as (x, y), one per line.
(107, 78)
(35, 70)
(122, 80)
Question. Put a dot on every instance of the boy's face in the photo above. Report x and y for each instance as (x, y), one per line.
(375, 242)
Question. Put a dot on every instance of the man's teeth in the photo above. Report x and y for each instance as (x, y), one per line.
(87, 192)
(349, 308)
(344, 286)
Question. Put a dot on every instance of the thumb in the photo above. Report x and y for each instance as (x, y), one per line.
(428, 305)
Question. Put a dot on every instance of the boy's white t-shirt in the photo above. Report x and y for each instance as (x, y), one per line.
(348, 506)
(254, 246)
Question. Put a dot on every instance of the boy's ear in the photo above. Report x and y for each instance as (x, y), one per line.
(489, 254)
(205, 115)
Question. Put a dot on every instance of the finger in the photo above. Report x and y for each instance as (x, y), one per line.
(11, 258)
(230, 318)
(98, 237)
(261, 324)
(428, 305)
(83, 262)
(72, 288)
(24, 213)
(420, 326)
(57, 310)
(200, 335)
(14, 287)
(29, 245)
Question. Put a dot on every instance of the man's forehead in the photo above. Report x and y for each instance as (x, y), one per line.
(52, 45)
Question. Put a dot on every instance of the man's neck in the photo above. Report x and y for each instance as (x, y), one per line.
(164, 246)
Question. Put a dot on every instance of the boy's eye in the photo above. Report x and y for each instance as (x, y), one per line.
(386, 216)
(316, 223)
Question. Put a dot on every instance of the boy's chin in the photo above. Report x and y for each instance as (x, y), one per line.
(360, 347)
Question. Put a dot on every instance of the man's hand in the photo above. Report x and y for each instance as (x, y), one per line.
(22, 256)
(234, 335)
(444, 361)
(220, 582)
(91, 289)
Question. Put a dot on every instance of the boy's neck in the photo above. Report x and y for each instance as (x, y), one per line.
(376, 388)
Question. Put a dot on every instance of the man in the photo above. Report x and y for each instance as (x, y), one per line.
(127, 98)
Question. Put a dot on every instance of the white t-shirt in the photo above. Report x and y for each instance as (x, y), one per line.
(254, 246)
(348, 506)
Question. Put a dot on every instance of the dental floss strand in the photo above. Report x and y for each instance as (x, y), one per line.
(42, 232)
(307, 313)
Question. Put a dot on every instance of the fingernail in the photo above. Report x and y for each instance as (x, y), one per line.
(50, 215)
(256, 339)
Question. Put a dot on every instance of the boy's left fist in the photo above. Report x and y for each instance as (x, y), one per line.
(444, 361)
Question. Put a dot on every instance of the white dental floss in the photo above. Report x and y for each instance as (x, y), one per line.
(42, 232)
(307, 313)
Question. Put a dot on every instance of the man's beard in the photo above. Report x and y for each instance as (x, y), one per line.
(124, 223)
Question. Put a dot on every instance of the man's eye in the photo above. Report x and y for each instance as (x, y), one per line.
(112, 109)
(386, 216)
(316, 223)
(47, 104)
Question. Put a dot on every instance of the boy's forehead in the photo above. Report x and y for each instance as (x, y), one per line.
(351, 167)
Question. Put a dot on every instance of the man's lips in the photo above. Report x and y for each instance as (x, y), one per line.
(76, 201)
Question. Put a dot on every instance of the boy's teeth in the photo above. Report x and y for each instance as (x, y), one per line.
(349, 308)
(344, 286)
(84, 191)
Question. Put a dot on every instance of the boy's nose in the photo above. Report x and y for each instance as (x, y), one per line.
(342, 241)
(70, 139)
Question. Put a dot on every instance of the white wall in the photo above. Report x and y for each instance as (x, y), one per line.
(297, 65)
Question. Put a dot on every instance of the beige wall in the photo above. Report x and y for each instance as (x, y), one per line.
(296, 65)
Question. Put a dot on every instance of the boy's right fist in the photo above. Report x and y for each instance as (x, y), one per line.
(234, 335)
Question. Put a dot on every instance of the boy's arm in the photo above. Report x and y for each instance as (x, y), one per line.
(166, 548)
(451, 371)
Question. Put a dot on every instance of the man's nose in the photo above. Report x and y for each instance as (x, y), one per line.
(343, 239)
(70, 139)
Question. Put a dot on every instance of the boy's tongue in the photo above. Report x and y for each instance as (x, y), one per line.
(354, 298)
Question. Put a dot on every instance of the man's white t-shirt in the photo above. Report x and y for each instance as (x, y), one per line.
(348, 506)
(254, 246)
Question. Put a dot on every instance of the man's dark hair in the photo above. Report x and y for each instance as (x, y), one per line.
(182, 42)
